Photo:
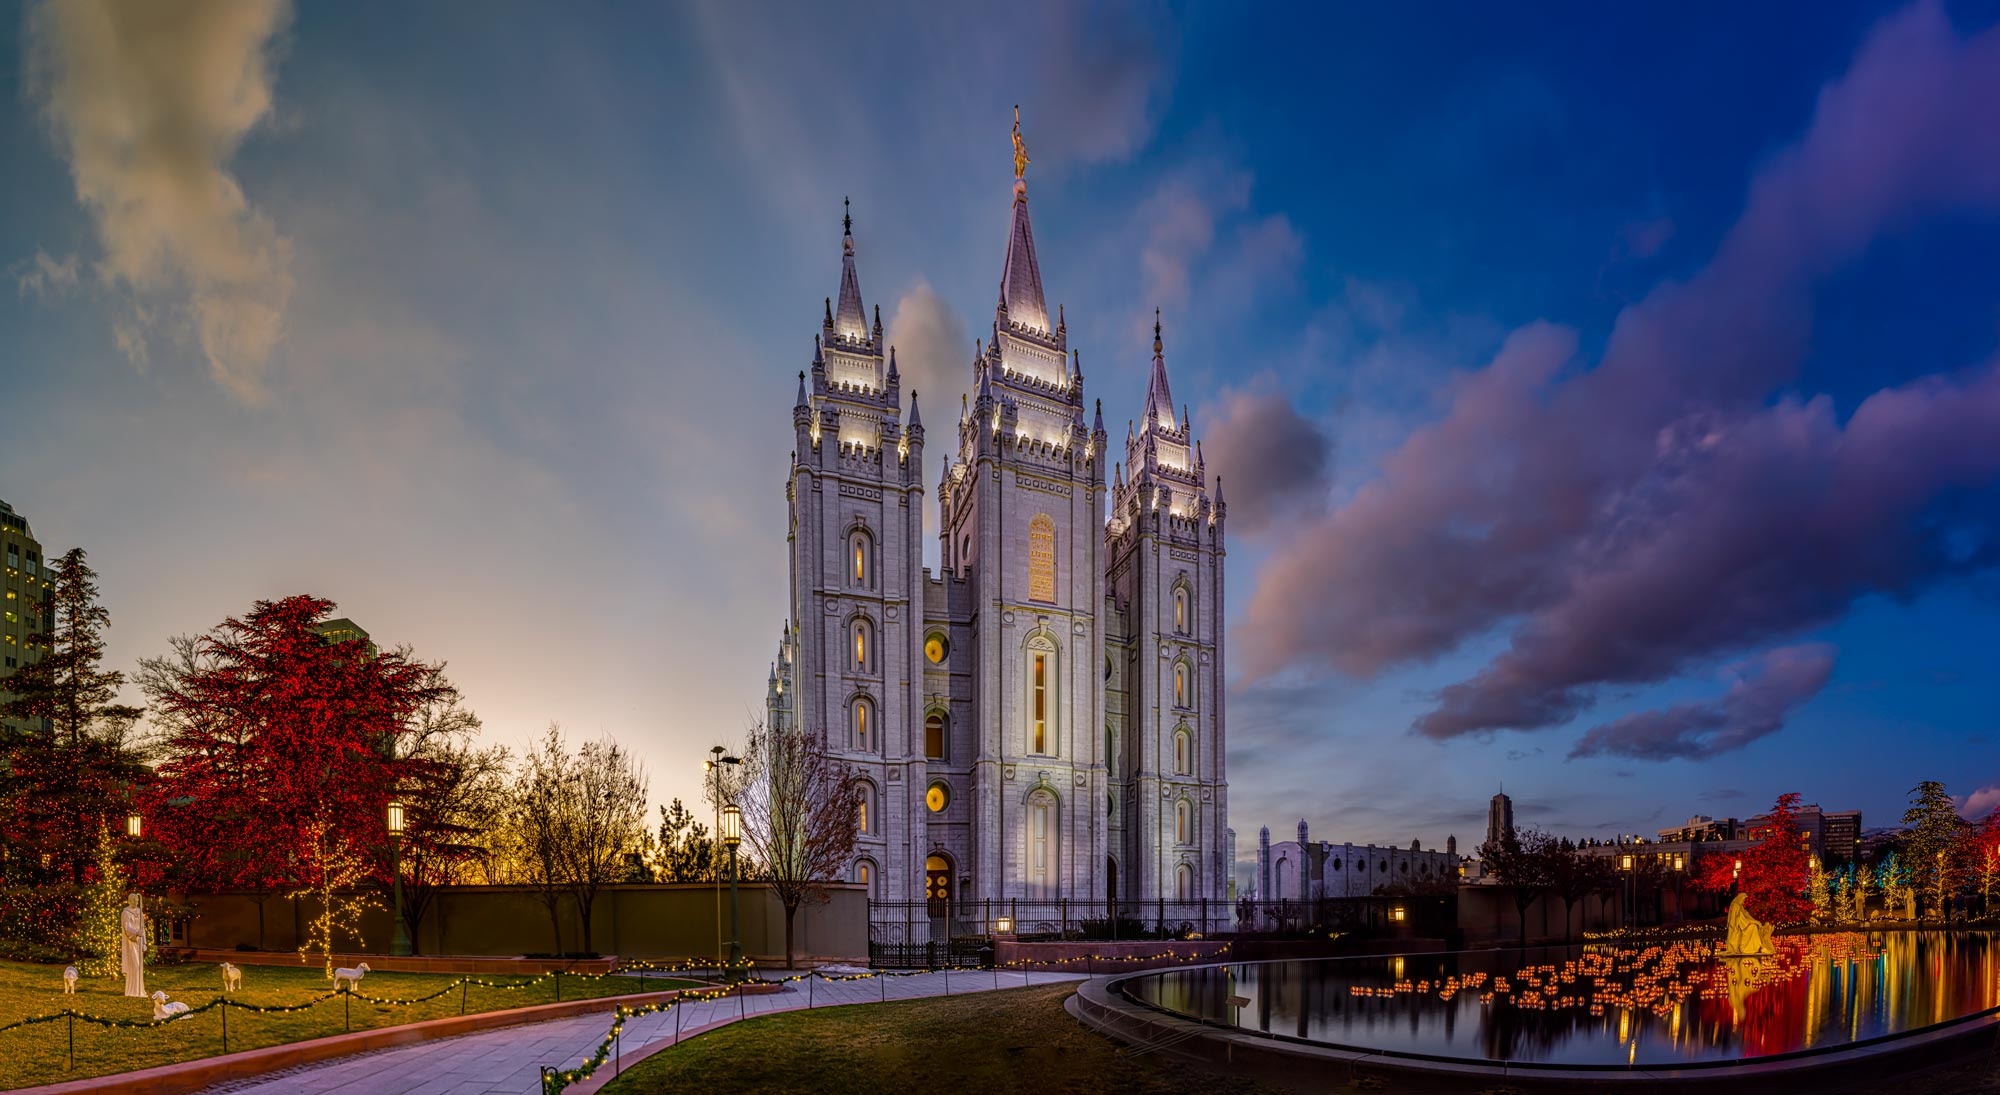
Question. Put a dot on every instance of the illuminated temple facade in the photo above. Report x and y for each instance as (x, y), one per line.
(1039, 727)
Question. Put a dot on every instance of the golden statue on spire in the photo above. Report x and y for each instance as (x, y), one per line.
(1020, 150)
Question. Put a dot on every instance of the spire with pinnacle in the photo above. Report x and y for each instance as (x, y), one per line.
(1159, 398)
(850, 320)
(1021, 276)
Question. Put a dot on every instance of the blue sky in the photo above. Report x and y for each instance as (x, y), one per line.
(487, 328)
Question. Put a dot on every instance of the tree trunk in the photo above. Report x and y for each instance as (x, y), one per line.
(1521, 902)
(792, 911)
(584, 901)
(554, 905)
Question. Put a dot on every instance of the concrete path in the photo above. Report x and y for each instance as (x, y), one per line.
(509, 1062)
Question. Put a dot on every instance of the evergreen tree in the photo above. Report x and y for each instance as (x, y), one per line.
(684, 852)
(70, 774)
(1935, 830)
(1821, 892)
(98, 932)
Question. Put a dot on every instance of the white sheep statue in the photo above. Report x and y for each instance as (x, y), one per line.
(351, 975)
(69, 980)
(232, 978)
(164, 1009)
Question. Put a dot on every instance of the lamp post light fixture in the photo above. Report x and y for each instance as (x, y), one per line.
(732, 835)
(1003, 925)
(133, 825)
(399, 944)
(710, 768)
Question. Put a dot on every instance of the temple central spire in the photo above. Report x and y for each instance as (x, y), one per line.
(1021, 277)
(850, 320)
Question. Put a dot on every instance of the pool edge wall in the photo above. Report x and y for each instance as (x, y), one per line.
(1101, 1006)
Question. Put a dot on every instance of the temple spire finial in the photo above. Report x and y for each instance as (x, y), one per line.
(847, 218)
(1020, 148)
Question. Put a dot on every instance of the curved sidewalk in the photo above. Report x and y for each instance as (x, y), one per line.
(509, 1062)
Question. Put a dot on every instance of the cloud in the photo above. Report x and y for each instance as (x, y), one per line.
(1278, 463)
(1766, 690)
(932, 355)
(1621, 523)
(1203, 240)
(1981, 803)
(149, 102)
(44, 278)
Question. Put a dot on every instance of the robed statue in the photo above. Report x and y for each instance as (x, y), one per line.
(1746, 934)
(1020, 149)
(132, 947)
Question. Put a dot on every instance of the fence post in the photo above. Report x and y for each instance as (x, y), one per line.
(809, 989)
(72, 1038)
(225, 1024)
(558, 986)
(741, 1013)
(461, 994)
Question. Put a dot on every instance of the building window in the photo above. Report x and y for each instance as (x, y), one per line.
(1184, 883)
(1182, 616)
(936, 650)
(935, 735)
(863, 640)
(1042, 558)
(1183, 753)
(1183, 822)
(1043, 847)
(1038, 700)
(937, 797)
(861, 724)
(861, 560)
(1183, 686)
(864, 810)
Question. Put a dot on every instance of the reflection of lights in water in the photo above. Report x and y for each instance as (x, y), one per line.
(1677, 997)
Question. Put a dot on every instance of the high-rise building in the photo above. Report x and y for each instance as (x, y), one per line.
(1499, 817)
(26, 598)
(1842, 836)
(1042, 722)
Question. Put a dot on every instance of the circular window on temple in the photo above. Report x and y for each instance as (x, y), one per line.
(937, 798)
(936, 649)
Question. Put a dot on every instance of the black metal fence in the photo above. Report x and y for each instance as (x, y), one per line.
(920, 927)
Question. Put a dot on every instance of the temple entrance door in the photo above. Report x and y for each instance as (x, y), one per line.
(937, 892)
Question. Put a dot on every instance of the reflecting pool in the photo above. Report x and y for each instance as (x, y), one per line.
(1611, 1004)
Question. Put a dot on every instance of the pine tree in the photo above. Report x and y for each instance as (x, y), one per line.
(1821, 891)
(97, 933)
(1935, 829)
(71, 774)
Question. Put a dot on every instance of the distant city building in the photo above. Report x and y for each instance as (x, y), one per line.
(26, 599)
(1305, 870)
(1842, 836)
(1702, 827)
(344, 630)
(1814, 824)
(1499, 817)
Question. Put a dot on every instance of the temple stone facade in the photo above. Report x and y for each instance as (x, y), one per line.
(1040, 726)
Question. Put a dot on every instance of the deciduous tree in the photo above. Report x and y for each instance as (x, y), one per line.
(1523, 861)
(282, 753)
(801, 816)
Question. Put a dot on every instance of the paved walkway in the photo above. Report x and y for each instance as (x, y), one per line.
(509, 1061)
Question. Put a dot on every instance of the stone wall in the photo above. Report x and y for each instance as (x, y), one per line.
(671, 921)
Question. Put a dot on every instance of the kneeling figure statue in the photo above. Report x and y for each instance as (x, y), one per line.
(1747, 934)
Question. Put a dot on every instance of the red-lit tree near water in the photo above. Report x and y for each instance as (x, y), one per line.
(283, 753)
(1776, 872)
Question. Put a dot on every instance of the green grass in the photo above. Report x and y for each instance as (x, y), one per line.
(1014, 1040)
(39, 1054)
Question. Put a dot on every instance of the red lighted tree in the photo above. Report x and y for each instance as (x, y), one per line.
(281, 754)
(1775, 874)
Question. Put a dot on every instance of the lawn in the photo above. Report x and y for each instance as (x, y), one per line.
(1014, 1040)
(40, 1054)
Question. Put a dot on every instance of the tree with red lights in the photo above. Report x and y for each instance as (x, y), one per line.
(1775, 874)
(282, 753)
(71, 775)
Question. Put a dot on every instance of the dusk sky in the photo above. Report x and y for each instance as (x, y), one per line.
(1608, 399)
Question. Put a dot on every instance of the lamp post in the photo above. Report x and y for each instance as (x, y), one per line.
(1625, 863)
(133, 825)
(399, 944)
(709, 767)
(732, 835)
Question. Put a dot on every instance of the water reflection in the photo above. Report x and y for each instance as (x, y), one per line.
(1605, 1004)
